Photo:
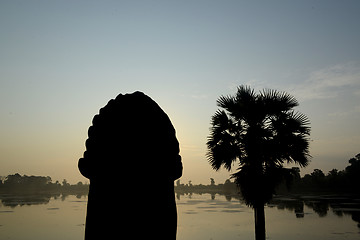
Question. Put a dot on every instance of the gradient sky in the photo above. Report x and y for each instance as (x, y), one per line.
(61, 61)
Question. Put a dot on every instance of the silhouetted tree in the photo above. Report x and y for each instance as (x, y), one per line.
(13, 180)
(317, 173)
(17, 183)
(318, 177)
(296, 172)
(353, 171)
(65, 183)
(212, 182)
(261, 132)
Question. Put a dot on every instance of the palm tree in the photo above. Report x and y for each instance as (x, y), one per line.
(261, 132)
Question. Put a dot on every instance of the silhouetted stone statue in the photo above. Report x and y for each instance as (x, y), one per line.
(132, 159)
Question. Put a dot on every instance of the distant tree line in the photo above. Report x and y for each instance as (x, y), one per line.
(228, 187)
(38, 184)
(335, 181)
(347, 180)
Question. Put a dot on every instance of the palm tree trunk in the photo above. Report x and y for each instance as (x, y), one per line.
(259, 214)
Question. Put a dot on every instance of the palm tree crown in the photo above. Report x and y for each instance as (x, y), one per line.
(261, 132)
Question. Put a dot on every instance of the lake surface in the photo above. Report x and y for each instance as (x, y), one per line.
(201, 217)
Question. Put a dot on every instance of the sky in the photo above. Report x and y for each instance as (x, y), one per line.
(61, 61)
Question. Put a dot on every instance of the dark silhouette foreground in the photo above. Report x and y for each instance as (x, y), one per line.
(131, 144)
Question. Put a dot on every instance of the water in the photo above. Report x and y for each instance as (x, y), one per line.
(201, 217)
(42, 218)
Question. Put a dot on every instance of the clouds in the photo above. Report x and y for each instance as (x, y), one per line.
(330, 83)
(200, 96)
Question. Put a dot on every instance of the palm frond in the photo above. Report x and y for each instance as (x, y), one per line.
(299, 150)
(220, 119)
(300, 122)
(245, 94)
(222, 154)
(277, 101)
(226, 102)
(222, 142)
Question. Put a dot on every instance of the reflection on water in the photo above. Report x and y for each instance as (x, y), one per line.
(14, 200)
(42, 217)
(206, 216)
(321, 205)
(21, 200)
(302, 217)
